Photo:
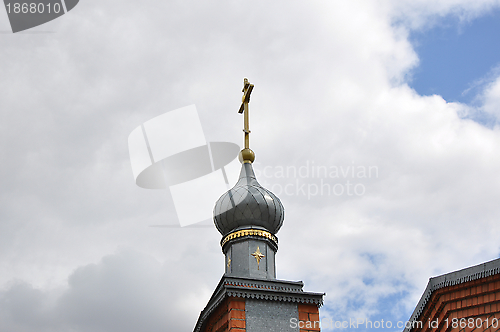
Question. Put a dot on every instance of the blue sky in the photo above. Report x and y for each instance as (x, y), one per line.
(456, 56)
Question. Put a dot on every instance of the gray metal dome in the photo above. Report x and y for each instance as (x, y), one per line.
(248, 205)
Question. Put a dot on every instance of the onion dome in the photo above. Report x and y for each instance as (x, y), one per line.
(248, 206)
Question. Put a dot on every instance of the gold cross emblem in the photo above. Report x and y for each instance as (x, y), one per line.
(258, 256)
(228, 263)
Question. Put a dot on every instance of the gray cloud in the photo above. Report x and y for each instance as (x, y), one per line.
(127, 291)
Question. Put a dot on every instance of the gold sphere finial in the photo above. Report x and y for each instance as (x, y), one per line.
(246, 156)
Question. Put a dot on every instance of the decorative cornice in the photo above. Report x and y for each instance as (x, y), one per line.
(249, 232)
(454, 278)
(279, 286)
(259, 289)
(283, 298)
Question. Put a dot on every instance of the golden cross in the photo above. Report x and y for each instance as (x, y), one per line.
(258, 256)
(247, 155)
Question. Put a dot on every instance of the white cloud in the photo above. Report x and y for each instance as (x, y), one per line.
(490, 98)
(422, 14)
(329, 89)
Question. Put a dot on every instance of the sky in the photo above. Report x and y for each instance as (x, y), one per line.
(450, 45)
(397, 100)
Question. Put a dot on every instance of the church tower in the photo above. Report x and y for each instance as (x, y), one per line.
(249, 297)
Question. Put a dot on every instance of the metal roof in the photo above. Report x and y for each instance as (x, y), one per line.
(260, 289)
(248, 204)
(454, 278)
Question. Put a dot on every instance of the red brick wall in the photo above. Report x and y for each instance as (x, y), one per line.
(228, 317)
(470, 306)
(308, 317)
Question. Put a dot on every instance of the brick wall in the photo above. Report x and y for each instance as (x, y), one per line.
(228, 317)
(308, 317)
(470, 306)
